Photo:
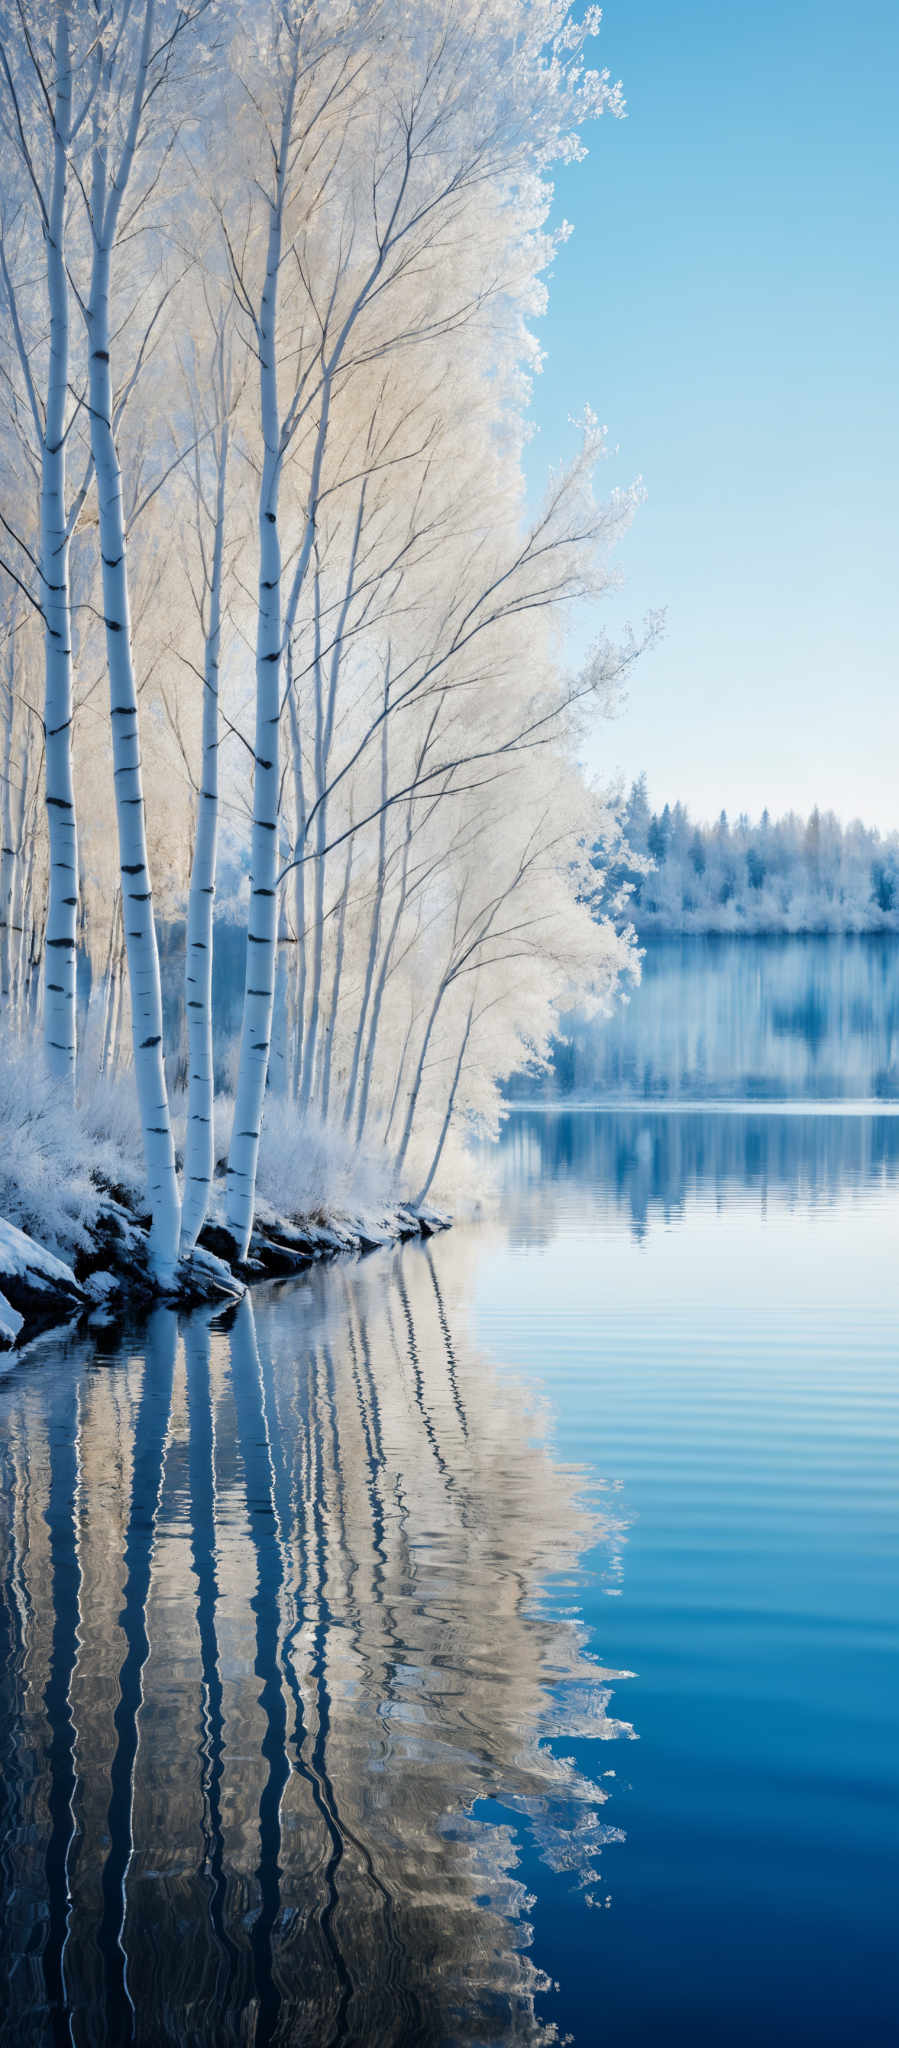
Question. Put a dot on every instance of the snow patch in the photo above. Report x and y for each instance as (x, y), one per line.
(21, 1259)
(10, 1322)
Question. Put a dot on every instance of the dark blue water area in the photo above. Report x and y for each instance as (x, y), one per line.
(492, 1641)
(713, 1301)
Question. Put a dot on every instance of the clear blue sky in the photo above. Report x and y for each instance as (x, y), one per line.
(728, 304)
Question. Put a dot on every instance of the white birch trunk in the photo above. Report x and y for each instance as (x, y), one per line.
(378, 998)
(60, 951)
(26, 940)
(375, 928)
(435, 1162)
(8, 852)
(118, 1005)
(137, 906)
(398, 1083)
(278, 1063)
(199, 1147)
(334, 1006)
(109, 983)
(318, 913)
(299, 882)
(17, 909)
(262, 923)
(419, 1076)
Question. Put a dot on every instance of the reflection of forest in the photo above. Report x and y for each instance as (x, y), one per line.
(273, 1619)
(647, 1164)
(812, 1018)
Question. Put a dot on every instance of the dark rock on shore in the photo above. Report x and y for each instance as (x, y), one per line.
(111, 1274)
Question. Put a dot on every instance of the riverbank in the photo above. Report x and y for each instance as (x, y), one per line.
(109, 1275)
(74, 1227)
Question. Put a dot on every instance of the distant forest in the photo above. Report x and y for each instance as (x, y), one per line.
(786, 874)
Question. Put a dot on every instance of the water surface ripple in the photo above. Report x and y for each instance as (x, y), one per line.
(327, 1629)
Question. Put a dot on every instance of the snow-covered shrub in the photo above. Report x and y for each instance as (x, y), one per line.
(45, 1184)
(110, 1118)
(308, 1168)
(54, 1159)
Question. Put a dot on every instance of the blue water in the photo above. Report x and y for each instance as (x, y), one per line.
(791, 1019)
(718, 1329)
(492, 1641)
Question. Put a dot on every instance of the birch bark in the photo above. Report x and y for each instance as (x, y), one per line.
(137, 904)
(334, 1005)
(415, 1090)
(60, 950)
(451, 1103)
(199, 1146)
(299, 882)
(375, 928)
(262, 924)
(8, 852)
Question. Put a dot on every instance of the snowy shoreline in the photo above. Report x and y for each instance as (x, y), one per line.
(110, 1277)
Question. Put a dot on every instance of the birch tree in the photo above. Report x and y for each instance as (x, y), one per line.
(131, 61)
(210, 475)
(422, 133)
(40, 122)
(372, 200)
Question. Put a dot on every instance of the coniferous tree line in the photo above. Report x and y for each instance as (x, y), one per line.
(788, 874)
(274, 604)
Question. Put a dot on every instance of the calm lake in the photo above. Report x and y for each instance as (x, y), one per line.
(495, 1640)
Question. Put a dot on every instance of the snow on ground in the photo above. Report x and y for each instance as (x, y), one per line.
(10, 1322)
(21, 1259)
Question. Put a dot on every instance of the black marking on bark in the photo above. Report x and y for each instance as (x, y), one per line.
(100, 355)
(59, 803)
(113, 625)
(146, 1043)
(137, 867)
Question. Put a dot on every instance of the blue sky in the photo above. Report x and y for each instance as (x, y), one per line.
(728, 304)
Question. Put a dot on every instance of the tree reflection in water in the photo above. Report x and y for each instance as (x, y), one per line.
(275, 1621)
(651, 1165)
